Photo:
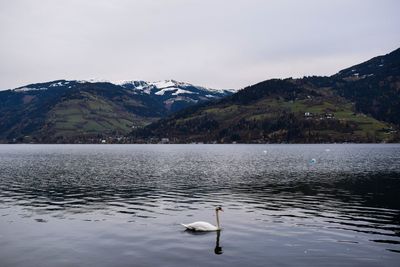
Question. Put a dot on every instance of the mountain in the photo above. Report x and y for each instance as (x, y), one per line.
(358, 104)
(374, 86)
(85, 111)
(175, 95)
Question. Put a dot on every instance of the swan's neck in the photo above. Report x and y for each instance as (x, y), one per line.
(218, 226)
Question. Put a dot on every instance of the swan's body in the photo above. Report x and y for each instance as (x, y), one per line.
(204, 226)
(201, 226)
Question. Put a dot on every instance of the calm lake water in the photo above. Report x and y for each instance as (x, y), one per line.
(122, 205)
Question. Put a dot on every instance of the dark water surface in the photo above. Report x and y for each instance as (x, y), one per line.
(122, 205)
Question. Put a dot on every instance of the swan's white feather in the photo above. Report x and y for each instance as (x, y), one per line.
(201, 226)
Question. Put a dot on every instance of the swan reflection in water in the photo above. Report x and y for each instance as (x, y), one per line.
(218, 249)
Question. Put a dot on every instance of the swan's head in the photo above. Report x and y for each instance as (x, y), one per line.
(219, 208)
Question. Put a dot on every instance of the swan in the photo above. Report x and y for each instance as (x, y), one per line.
(204, 226)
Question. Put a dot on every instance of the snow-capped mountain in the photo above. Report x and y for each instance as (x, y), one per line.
(173, 94)
(169, 85)
(61, 110)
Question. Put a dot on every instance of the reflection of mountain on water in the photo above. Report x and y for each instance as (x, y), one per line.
(375, 190)
(149, 181)
(366, 203)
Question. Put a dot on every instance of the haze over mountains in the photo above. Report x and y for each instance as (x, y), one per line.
(358, 104)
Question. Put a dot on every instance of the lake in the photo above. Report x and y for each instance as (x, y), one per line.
(122, 205)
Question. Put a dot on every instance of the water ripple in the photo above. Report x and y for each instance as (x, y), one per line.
(134, 197)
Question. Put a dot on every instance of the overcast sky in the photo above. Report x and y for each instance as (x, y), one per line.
(215, 43)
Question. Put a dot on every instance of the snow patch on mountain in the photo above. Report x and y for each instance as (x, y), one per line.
(26, 89)
(162, 91)
(181, 91)
(163, 84)
(94, 81)
(62, 83)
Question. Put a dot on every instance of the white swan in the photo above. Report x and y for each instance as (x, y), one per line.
(204, 226)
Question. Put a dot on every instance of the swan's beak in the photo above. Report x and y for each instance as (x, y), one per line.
(221, 209)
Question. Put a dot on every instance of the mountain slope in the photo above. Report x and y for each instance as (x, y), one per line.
(70, 111)
(374, 86)
(346, 107)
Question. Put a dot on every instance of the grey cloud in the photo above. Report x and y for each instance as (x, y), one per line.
(216, 43)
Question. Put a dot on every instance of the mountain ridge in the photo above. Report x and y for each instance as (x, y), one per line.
(86, 111)
(358, 104)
